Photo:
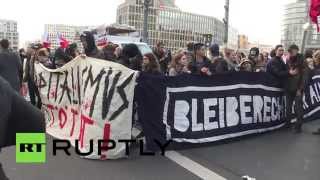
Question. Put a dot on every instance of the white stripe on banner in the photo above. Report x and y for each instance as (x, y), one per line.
(226, 136)
(316, 77)
(307, 115)
(193, 167)
(224, 88)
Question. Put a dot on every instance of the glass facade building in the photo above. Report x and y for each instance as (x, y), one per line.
(9, 31)
(69, 32)
(171, 26)
(296, 15)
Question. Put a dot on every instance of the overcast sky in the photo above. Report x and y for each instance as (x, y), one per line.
(259, 19)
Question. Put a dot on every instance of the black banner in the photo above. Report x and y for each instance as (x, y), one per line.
(311, 98)
(196, 109)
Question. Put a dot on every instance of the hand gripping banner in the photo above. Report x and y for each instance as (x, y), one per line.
(88, 100)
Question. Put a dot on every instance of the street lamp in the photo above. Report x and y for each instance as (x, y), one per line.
(146, 5)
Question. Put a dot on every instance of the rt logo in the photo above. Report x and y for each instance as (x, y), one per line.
(30, 148)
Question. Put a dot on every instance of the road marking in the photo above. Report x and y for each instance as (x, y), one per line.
(192, 166)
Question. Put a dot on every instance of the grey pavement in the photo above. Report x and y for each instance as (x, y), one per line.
(279, 155)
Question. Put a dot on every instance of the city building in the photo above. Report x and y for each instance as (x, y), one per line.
(69, 32)
(233, 38)
(9, 30)
(296, 15)
(243, 42)
(171, 26)
(262, 47)
(28, 43)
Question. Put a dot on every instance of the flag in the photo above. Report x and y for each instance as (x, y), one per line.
(45, 40)
(315, 12)
(161, 5)
(64, 43)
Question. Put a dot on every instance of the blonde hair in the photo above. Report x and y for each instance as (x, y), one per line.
(316, 58)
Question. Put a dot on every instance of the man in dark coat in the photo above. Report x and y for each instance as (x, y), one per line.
(16, 116)
(296, 84)
(287, 74)
(10, 65)
(89, 45)
(131, 57)
(218, 64)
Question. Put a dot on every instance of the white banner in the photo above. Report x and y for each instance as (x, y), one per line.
(88, 99)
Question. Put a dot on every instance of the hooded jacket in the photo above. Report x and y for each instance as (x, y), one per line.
(91, 50)
(131, 57)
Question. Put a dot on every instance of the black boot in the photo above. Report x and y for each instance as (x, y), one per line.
(297, 129)
(2, 175)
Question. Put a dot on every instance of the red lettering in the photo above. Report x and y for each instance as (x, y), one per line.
(106, 137)
(50, 107)
(84, 120)
(74, 113)
(62, 118)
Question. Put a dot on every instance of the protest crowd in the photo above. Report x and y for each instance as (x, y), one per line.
(291, 67)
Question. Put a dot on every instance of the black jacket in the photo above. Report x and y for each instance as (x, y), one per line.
(297, 82)
(11, 68)
(17, 116)
(219, 65)
(195, 68)
(278, 68)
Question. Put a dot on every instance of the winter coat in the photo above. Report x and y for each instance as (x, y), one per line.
(11, 68)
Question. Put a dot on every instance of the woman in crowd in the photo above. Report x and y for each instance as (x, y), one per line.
(200, 63)
(266, 56)
(179, 65)
(316, 60)
(231, 60)
(261, 64)
(150, 64)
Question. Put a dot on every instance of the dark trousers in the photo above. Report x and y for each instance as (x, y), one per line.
(33, 93)
(298, 108)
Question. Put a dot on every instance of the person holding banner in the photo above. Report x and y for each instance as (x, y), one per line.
(295, 85)
(72, 50)
(179, 65)
(89, 45)
(281, 71)
(150, 64)
(200, 63)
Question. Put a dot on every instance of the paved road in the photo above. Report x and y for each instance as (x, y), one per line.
(279, 155)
